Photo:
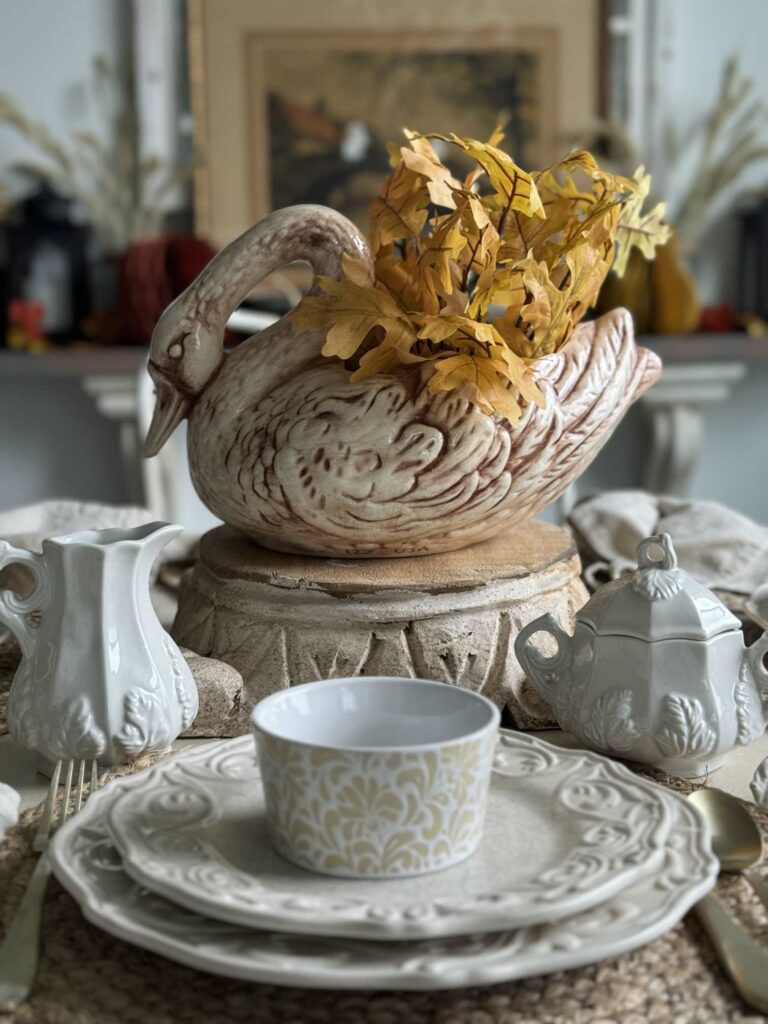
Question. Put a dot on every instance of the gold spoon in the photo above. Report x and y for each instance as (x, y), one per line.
(736, 839)
(737, 844)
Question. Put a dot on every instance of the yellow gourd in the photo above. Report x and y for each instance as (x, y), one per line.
(660, 294)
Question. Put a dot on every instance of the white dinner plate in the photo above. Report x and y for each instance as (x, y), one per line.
(564, 831)
(86, 862)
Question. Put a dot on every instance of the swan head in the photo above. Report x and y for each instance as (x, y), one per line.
(184, 356)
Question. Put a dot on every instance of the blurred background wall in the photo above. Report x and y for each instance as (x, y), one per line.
(688, 42)
(54, 440)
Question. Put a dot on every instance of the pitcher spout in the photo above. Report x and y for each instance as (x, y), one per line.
(153, 537)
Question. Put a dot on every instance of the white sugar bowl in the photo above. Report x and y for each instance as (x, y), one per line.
(656, 670)
(375, 777)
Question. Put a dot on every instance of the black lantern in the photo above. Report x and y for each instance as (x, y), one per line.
(43, 259)
(753, 270)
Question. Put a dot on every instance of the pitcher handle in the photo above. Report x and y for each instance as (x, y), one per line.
(541, 671)
(14, 609)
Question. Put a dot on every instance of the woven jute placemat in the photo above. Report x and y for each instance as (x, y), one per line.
(88, 977)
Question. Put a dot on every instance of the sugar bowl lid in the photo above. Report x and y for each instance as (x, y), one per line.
(657, 602)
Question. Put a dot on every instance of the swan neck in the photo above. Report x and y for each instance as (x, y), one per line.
(313, 234)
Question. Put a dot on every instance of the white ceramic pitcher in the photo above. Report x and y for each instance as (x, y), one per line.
(100, 677)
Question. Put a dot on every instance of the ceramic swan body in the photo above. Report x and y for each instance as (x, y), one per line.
(284, 447)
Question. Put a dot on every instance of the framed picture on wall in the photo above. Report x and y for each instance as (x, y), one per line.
(295, 102)
(324, 105)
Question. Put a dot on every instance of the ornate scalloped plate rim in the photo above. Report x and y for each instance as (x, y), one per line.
(353, 917)
(266, 957)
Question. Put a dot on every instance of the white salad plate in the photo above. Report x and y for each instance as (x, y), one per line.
(564, 830)
(87, 863)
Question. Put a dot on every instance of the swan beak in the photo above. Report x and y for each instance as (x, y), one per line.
(171, 406)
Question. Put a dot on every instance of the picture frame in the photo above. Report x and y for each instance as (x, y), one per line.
(321, 117)
(229, 47)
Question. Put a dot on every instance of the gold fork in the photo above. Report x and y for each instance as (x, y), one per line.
(20, 949)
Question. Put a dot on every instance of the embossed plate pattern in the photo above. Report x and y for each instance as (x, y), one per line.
(88, 865)
(564, 830)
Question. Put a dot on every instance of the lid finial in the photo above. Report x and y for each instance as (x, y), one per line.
(656, 552)
(657, 576)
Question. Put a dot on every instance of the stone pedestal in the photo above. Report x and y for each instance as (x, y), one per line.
(285, 619)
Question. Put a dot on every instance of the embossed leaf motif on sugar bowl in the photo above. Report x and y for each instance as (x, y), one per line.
(656, 671)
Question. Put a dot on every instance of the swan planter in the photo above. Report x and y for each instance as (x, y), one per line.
(283, 446)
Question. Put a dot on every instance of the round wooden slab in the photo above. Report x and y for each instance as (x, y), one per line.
(521, 552)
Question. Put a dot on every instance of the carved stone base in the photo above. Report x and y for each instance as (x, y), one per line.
(284, 619)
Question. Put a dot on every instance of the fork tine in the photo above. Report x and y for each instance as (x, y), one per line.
(44, 827)
(19, 950)
(94, 777)
(80, 783)
(67, 792)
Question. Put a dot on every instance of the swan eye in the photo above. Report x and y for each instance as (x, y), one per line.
(176, 350)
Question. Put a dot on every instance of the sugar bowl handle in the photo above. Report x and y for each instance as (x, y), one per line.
(759, 784)
(14, 609)
(756, 657)
(545, 673)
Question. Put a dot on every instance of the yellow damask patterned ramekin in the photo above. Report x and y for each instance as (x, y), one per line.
(375, 777)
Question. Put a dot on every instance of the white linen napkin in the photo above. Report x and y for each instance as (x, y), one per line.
(28, 527)
(718, 546)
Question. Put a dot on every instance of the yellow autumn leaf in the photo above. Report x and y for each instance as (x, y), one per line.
(557, 178)
(350, 312)
(553, 309)
(474, 215)
(566, 205)
(440, 328)
(422, 159)
(497, 135)
(597, 233)
(479, 340)
(382, 358)
(498, 285)
(393, 149)
(441, 249)
(456, 303)
(484, 379)
(402, 277)
(636, 229)
(356, 269)
(400, 209)
(512, 330)
(495, 139)
(518, 371)
(513, 186)
(482, 238)
(544, 314)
